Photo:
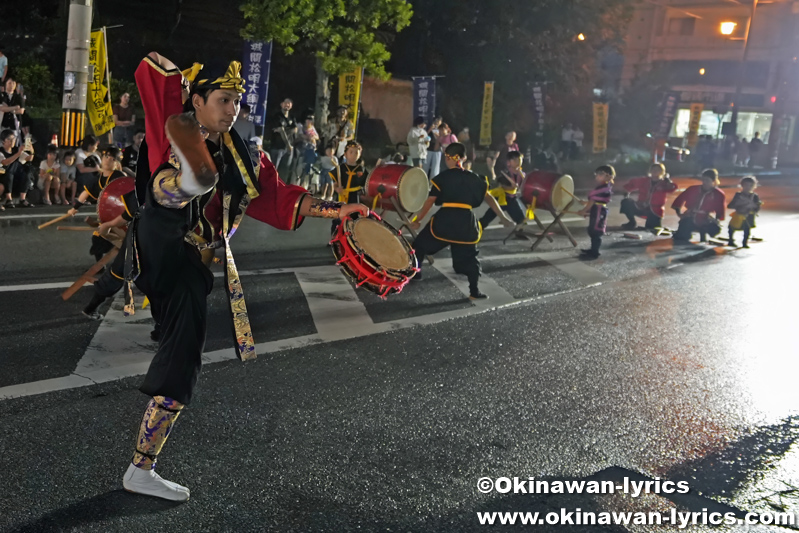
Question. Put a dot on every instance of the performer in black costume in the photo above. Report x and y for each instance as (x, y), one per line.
(206, 179)
(92, 189)
(457, 191)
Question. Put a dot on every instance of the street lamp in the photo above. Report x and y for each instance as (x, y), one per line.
(727, 28)
(581, 37)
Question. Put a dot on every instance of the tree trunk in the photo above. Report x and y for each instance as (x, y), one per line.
(321, 109)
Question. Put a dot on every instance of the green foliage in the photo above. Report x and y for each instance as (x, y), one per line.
(40, 89)
(343, 34)
(516, 44)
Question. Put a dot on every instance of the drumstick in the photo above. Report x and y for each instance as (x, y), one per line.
(564, 189)
(75, 228)
(57, 219)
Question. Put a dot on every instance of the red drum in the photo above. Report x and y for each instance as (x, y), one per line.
(110, 205)
(409, 185)
(374, 254)
(552, 191)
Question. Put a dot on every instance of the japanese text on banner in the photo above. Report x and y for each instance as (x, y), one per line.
(98, 102)
(693, 124)
(424, 98)
(600, 127)
(257, 63)
(488, 114)
(349, 92)
(538, 100)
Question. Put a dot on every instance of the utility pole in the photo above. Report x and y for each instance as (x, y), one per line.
(742, 70)
(76, 73)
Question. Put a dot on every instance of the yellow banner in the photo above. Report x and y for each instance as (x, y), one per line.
(600, 127)
(349, 92)
(693, 124)
(98, 102)
(488, 114)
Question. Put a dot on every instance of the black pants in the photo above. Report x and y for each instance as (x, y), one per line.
(16, 179)
(464, 256)
(688, 226)
(746, 228)
(182, 314)
(514, 209)
(100, 247)
(110, 283)
(596, 240)
(631, 210)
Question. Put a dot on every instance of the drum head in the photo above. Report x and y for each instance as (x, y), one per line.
(381, 244)
(414, 188)
(561, 198)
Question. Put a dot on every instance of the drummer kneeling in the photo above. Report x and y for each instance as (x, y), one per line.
(700, 201)
(458, 192)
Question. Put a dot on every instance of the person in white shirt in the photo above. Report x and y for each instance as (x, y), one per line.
(566, 139)
(418, 141)
(577, 139)
(50, 176)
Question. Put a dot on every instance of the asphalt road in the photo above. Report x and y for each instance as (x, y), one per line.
(677, 363)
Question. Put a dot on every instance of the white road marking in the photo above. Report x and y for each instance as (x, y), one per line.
(567, 262)
(120, 341)
(334, 306)
(40, 215)
(121, 347)
(36, 286)
(496, 294)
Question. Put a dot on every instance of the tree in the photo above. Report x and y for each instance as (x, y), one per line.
(343, 35)
(514, 44)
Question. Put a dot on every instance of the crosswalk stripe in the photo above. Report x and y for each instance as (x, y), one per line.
(568, 263)
(496, 294)
(334, 306)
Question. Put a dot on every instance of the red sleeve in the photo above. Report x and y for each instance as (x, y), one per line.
(632, 185)
(721, 200)
(680, 201)
(161, 96)
(278, 204)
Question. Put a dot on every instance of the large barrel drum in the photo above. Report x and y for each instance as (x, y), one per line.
(551, 190)
(409, 185)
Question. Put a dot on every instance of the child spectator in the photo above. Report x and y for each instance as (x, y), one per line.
(329, 165)
(310, 138)
(746, 205)
(50, 176)
(68, 178)
(597, 208)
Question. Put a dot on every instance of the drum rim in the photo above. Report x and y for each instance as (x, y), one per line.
(399, 182)
(350, 235)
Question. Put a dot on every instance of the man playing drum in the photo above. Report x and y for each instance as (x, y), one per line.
(457, 191)
(206, 179)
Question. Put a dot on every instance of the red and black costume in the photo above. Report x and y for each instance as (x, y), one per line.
(458, 192)
(650, 202)
(176, 234)
(700, 203)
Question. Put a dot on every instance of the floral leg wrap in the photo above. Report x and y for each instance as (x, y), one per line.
(158, 420)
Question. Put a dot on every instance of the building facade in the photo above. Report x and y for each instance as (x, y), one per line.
(699, 50)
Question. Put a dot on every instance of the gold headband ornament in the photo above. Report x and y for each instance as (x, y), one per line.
(231, 80)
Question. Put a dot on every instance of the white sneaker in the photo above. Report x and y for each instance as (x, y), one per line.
(149, 483)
